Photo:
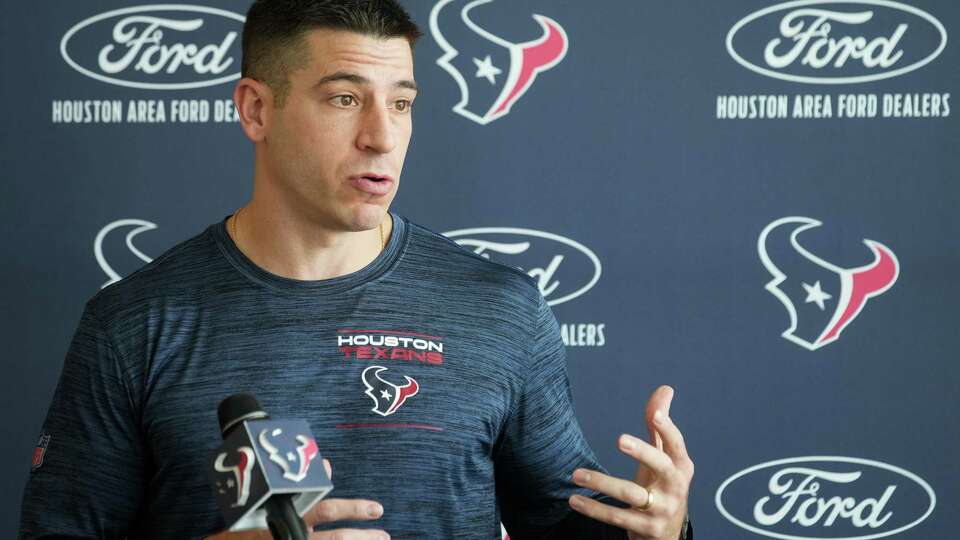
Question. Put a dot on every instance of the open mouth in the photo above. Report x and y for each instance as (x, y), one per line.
(373, 183)
(373, 177)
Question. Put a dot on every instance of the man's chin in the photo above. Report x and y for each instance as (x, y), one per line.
(368, 218)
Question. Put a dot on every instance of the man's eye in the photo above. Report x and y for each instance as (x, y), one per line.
(403, 105)
(344, 101)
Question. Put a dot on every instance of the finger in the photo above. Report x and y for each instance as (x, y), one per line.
(647, 455)
(659, 401)
(329, 468)
(350, 534)
(622, 490)
(623, 518)
(673, 442)
(329, 510)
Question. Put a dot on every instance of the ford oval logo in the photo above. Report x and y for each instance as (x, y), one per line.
(825, 498)
(564, 269)
(836, 41)
(157, 47)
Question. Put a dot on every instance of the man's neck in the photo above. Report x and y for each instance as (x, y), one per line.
(296, 249)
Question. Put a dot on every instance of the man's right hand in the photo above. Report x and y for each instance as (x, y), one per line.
(326, 511)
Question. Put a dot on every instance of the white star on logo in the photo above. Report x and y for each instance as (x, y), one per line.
(385, 395)
(230, 483)
(485, 68)
(815, 294)
(291, 456)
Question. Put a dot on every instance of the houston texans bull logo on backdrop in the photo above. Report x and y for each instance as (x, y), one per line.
(821, 298)
(387, 397)
(292, 454)
(491, 72)
(125, 264)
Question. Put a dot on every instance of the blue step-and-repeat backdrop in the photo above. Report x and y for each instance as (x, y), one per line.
(754, 202)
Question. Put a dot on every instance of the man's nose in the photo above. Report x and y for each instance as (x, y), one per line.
(376, 131)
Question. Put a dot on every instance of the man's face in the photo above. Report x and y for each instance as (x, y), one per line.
(335, 150)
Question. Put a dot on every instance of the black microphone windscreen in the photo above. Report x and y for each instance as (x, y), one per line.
(236, 409)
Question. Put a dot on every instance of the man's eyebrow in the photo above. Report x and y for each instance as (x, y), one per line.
(361, 80)
(344, 76)
(408, 84)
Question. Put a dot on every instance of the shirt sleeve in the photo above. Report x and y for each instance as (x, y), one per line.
(540, 447)
(88, 481)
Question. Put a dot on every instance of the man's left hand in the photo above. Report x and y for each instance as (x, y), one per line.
(658, 493)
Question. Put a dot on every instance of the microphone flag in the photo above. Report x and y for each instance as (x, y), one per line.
(261, 458)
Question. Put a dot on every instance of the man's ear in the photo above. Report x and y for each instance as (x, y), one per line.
(254, 102)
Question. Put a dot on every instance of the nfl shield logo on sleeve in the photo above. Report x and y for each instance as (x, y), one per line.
(39, 451)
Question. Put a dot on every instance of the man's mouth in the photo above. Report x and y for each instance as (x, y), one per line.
(374, 177)
(372, 183)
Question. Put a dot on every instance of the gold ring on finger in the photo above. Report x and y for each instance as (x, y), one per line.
(649, 503)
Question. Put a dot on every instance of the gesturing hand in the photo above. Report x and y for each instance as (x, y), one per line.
(658, 493)
(326, 511)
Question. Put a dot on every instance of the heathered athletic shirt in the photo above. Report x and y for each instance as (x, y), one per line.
(490, 434)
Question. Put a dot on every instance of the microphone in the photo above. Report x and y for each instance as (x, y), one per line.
(267, 473)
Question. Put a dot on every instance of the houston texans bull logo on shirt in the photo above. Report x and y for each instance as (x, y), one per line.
(821, 298)
(491, 72)
(394, 346)
(387, 397)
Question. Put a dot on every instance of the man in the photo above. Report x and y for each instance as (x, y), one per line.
(318, 299)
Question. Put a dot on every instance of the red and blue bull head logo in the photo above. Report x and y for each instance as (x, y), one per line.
(292, 454)
(239, 473)
(387, 397)
(491, 72)
(821, 298)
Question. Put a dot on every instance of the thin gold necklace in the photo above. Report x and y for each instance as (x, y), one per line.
(236, 239)
(380, 228)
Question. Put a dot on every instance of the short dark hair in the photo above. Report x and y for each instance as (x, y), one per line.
(273, 33)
